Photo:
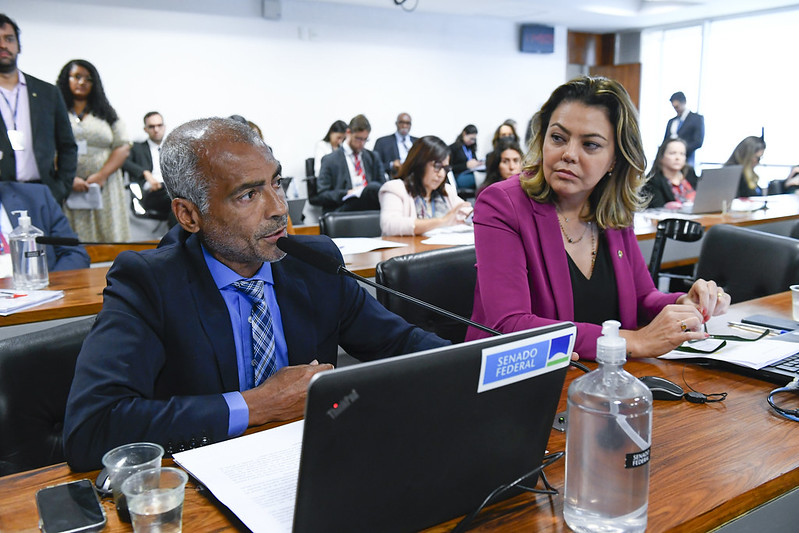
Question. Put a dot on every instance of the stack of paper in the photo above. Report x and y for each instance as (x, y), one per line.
(12, 301)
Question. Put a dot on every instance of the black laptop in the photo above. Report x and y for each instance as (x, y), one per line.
(408, 442)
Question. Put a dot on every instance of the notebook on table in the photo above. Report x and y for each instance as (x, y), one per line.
(409, 442)
(716, 188)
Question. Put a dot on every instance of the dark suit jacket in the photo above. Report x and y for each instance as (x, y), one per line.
(45, 214)
(334, 176)
(659, 188)
(138, 161)
(458, 159)
(386, 148)
(52, 138)
(161, 353)
(692, 132)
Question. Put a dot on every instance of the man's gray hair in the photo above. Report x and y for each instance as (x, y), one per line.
(186, 146)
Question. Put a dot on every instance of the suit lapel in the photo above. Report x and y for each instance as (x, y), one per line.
(555, 260)
(33, 105)
(213, 314)
(294, 302)
(624, 279)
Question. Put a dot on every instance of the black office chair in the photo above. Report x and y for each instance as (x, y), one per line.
(679, 230)
(350, 224)
(139, 211)
(444, 278)
(36, 371)
(310, 183)
(795, 231)
(747, 263)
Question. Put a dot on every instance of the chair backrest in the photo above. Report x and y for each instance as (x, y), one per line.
(36, 371)
(309, 167)
(444, 278)
(747, 263)
(671, 228)
(795, 231)
(350, 224)
(137, 205)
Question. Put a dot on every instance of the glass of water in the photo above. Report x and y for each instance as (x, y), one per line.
(155, 499)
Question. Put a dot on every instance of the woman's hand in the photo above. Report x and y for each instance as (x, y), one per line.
(674, 325)
(79, 185)
(457, 214)
(793, 178)
(708, 298)
(97, 178)
(473, 163)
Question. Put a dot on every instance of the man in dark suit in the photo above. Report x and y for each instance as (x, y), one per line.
(143, 165)
(45, 214)
(173, 357)
(351, 176)
(393, 149)
(687, 125)
(36, 141)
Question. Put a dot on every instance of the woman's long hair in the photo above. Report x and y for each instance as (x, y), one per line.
(424, 150)
(97, 103)
(743, 155)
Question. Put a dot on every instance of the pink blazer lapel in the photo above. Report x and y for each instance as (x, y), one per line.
(624, 279)
(555, 261)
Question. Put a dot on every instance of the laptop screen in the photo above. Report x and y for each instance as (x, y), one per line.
(408, 442)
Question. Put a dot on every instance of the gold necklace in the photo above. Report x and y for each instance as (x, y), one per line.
(568, 237)
(594, 250)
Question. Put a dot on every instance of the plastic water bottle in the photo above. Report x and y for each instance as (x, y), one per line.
(608, 443)
(28, 258)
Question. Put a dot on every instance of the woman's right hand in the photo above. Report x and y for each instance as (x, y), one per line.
(79, 185)
(674, 325)
(457, 214)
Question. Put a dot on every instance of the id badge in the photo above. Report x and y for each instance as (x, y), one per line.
(17, 140)
(83, 147)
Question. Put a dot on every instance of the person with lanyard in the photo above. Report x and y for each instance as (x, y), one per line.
(45, 214)
(34, 128)
(421, 199)
(463, 157)
(393, 149)
(217, 330)
(556, 242)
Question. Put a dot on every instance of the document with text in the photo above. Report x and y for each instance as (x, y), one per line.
(255, 476)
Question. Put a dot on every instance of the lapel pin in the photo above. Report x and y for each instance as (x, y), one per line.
(621, 254)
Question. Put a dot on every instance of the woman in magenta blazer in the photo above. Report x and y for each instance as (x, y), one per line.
(556, 243)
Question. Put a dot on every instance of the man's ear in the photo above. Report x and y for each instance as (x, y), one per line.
(187, 214)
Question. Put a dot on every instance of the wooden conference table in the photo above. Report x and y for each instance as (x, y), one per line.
(710, 462)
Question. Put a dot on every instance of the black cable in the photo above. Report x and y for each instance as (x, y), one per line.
(546, 461)
(698, 397)
(790, 414)
(581, 366)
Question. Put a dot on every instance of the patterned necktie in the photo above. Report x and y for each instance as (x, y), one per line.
(263, 336)
(359, 169)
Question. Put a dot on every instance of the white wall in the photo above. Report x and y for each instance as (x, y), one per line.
(295, 76)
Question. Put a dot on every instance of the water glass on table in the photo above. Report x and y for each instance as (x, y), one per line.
(155, 499)
(126, 460)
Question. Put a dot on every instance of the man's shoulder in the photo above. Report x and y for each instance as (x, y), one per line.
(333, 156)
(37, 84)
(386, 139)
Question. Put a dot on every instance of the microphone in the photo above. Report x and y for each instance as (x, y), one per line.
(330, 265)
(73, 241)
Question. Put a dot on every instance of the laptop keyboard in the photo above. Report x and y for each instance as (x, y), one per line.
(789, 364)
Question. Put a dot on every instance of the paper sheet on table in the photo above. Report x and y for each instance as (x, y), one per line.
(255, 476)
(453, 235)
(356, 193)
(12, 301)
(359, 245)
(754, 355)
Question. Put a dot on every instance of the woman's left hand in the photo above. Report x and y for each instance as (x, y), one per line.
(708, 298)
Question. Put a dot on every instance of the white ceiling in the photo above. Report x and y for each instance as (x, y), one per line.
(584, 15)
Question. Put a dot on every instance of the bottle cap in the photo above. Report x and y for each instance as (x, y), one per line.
(610, 348)
(24, 219)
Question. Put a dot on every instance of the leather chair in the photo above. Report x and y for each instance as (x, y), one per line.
(310, 183)
(139, 211)
(36, 371)
(350, 224)
(444, 278)
(747, 263)
(672, 228)
(795, 231)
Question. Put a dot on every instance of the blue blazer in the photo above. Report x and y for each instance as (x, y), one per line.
(45, 214)
(52, 140)
(161, 353)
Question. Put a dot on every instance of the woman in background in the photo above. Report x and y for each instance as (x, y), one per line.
(502, 163)
(505, 131)
(463, 157)
(335, 136)
(748, 153)
(420, 199)
(556, 243)
(671, 182)
(103, 146)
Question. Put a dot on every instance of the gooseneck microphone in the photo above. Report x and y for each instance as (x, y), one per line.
(330, 265)
(73, 241)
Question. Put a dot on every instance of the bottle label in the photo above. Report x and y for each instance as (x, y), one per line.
(33, 253)
(634, 460)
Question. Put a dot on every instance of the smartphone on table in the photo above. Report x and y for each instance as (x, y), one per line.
(70, 507)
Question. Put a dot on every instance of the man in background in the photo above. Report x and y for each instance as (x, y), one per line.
(393, 149)
(143, 165)
(687, 125)
(351, 176)
(36, 141)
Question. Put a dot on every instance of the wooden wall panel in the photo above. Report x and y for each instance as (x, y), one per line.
(628, 75)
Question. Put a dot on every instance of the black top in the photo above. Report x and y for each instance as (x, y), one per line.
(659, 188)
(595, 299)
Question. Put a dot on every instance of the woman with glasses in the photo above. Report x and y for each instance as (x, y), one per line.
(556, 243)
(103, 146)
(420, 198)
